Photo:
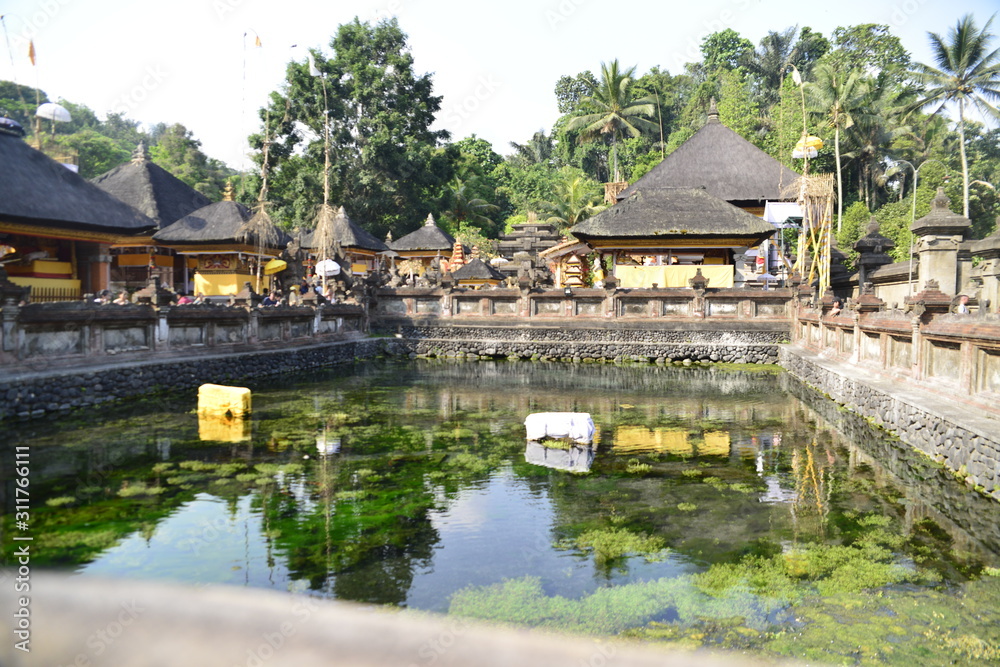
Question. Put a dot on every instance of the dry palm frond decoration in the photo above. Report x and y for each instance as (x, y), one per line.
(261, 231)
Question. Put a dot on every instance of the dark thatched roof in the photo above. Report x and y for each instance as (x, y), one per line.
(348, 233)
(672, 213)
(430, 237)
(151, 189)
(34, 189)
(216, 223)
(477, 269)
(722, 162)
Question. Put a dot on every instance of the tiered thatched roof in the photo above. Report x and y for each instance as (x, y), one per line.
(349, 234)
(672, 214)
(150, 189)
(724, 163)
(36, 190)
(429, 238)
(216, 223)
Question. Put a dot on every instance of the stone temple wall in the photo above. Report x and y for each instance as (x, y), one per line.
(591, 344)
(41, 394)
(966, 443)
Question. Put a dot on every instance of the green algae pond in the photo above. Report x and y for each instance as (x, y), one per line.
(718, 507)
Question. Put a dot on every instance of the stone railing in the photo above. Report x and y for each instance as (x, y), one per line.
(47, 335)
(566, 305)
(930, 376)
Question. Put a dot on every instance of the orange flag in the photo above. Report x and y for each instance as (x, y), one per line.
(256, 42)
(31, 51)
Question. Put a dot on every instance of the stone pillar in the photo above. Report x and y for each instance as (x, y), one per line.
(940, 234)
(988, 250)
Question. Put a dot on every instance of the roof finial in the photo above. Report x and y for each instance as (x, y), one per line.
(430, 220)
(388, 236)
(140, 154)
(227, 192)
(713, 111)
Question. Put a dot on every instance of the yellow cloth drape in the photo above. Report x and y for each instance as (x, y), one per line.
(673, 276)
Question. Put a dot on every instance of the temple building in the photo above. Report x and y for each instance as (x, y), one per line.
(357, 245)
(660, 237)
(213, 238)
(152, 190)
(701, 206)
(726, 165)
(424, 244)
(57, 228)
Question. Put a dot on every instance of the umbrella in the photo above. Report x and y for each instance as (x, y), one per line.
(327, 268)
(275, 266)
(766, 278)
(497, 261)
(54, 112)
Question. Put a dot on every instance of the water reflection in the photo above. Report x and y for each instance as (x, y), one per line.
(393, 483)
(571, 457)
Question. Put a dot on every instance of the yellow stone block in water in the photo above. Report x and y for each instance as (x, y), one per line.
(220, 399)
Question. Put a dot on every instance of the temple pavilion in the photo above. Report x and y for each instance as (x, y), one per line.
(424, 244)
(358, 246)
(213, 238)
(152, 190)
(662, 236)
(57, 228)
(700, 207)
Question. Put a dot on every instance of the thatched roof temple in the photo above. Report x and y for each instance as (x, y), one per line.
(151, 189)
(725, 164)
(428, 239)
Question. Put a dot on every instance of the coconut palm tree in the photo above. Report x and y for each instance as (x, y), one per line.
(878, 123)
(537, 151)
(967, 73)
(838, 97)
(614, 111)
(464, 206)
(576, 198)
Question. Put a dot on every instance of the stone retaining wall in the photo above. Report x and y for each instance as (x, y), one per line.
(591, 344)
(965, 442)
(55, 391)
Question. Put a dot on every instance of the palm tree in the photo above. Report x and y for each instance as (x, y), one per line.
(576, 198)
(838, 97)
(967, 73)
(615, 111)
(464, 206)
(877, 124)
(537, 151)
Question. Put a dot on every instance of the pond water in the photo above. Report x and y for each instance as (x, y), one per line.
(717, 506)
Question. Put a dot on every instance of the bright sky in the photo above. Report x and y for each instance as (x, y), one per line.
(496, 63)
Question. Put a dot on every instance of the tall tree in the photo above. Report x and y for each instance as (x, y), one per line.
(967, 73)
(838, 97)
(870, 48)
(571, 89)
(388, 165)
(538, 150)
(725, 49)
(614, 111)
